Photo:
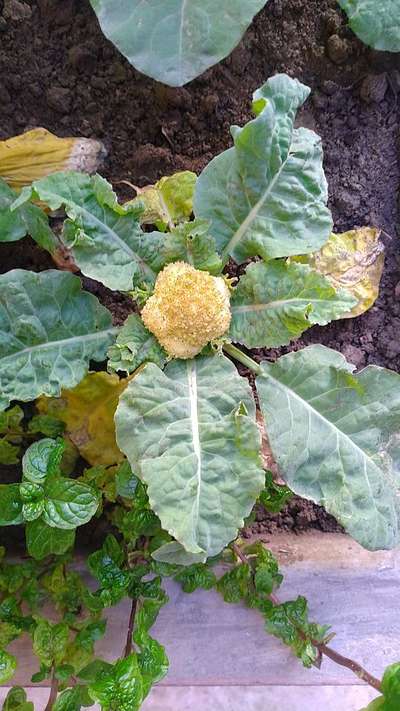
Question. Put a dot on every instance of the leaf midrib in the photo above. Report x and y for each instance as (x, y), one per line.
(244, 308)
(114, 236)
(306, 403)
(50, 344)
(253, 214)
(194, 421)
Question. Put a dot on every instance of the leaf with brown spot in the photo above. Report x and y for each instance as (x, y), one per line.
(353, 261)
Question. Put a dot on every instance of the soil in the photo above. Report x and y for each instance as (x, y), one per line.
(58, 71)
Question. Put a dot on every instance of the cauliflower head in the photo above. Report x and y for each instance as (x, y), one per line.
(189, 308)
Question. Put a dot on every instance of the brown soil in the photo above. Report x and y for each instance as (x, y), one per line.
(58, 71)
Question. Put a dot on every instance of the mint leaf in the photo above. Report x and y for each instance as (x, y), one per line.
(69, 503)
(73, 699)
(289, 622)
(41, 459)
(9, 453)
(8, 665)
(16, 700)
(194, 577)
(275, 496)
(234, 585)
(153, 663)
(43, 540)
(50, 642)
(126, 482)
(121, 688)
(10, 505)
(47, 425)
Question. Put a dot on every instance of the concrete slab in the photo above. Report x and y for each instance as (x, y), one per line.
(239, 698)
(212, 645)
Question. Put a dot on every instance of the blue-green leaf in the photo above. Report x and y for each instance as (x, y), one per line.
(105, 238)
(276, 302)
(190, 433)
(335, 438)
(27, 219)
(49, 331)
(134, 345)
(375, 23)
(268, 195)
(174, 43)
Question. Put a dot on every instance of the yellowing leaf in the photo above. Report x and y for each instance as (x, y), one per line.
(37, 153)
(169, 201)
(354, 261)
(88, 412)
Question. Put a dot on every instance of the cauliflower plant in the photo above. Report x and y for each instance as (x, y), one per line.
(189, 308)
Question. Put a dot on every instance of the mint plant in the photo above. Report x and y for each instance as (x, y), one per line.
(175, 41)
(198, 446)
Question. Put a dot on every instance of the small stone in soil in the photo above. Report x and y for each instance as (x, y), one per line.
(373, 88)
(338, 49)
(16, 10)
(59, 99)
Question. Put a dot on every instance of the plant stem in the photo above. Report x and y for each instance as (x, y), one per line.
(53, 693)
(356, 668)
(323, 649)
(129, 641)
(244, 359)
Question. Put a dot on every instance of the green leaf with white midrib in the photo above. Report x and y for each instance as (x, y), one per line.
(49, 331)
(335, 438)
(105, 238)
(275, 302)
(174, 41)
(195, 447)
(267, 195)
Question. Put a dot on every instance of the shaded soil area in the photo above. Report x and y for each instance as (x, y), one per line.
(58, 71)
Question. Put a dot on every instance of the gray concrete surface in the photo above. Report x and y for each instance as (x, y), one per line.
(222, 660)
